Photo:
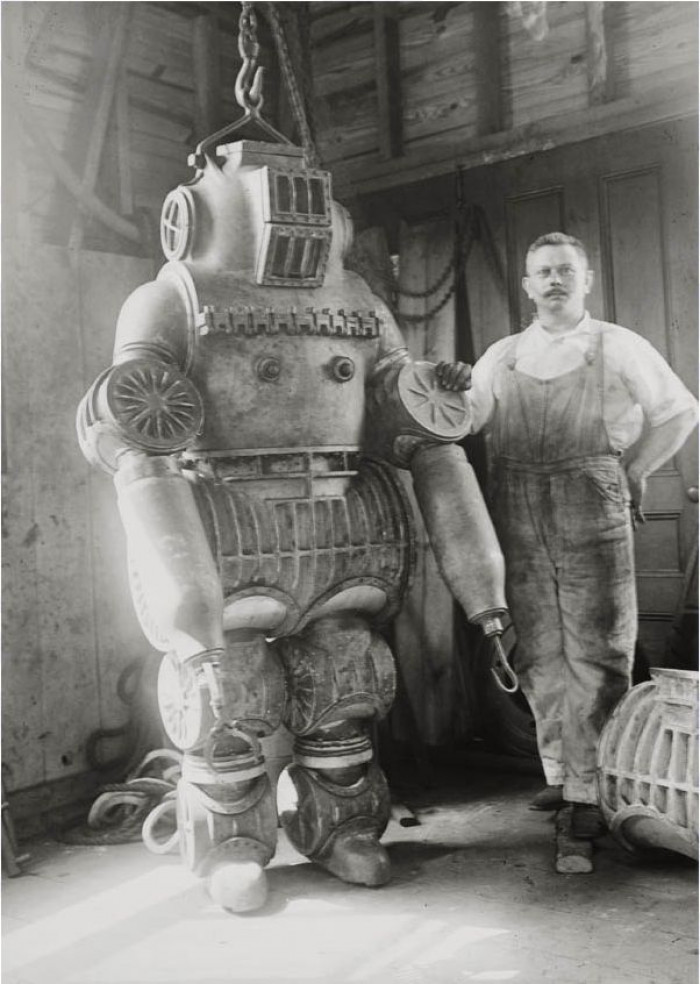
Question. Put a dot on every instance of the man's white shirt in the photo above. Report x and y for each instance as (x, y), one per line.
(638, 382)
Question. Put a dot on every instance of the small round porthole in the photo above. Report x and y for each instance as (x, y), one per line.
(177, 224)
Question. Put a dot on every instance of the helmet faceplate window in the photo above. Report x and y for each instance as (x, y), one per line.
(297, 235)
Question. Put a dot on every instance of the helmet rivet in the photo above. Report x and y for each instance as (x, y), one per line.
(268, 369)
(342, 368)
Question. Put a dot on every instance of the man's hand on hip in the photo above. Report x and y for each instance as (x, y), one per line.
(638, 487)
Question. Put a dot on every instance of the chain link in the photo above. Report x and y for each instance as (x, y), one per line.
(295, 96)
(465, 240)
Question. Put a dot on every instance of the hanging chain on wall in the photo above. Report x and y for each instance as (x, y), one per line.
(471, 226)
(296, 98)
(466, 234)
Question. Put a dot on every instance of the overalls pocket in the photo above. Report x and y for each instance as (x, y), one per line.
(607, 482)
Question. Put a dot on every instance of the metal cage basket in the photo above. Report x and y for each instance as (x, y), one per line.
(648, 764)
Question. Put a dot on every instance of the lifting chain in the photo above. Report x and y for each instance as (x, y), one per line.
(293, 91)
(248, 87)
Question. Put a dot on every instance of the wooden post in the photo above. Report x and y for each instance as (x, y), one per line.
(206, 54)
(126, 191)
(388, 68)
(489, 83)
(600, 82)
(99, 120)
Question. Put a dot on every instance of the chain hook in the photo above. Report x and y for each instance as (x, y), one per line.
(249, 81)
(248, 90)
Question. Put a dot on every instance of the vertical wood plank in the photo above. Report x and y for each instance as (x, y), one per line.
(68, 624)
(14, 183)
(487, 70)
(387, 56)
(64, 598)
(598, 53)
(207, 75)
(123, 120)
(100, 119)
(22, 684)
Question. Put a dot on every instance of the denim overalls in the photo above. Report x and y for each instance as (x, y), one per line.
(563, 518)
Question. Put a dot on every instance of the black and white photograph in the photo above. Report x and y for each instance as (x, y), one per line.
(349, 492)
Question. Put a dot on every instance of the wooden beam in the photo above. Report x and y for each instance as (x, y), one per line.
(423, 161)
(489, 81)
(388, 70)
(126, 191)
(206, 54)
(100, 118)
(599, 54)
(87, 201)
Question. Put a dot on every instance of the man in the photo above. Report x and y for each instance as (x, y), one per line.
(579, 413)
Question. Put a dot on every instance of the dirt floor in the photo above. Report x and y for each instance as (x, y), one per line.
(474, 897)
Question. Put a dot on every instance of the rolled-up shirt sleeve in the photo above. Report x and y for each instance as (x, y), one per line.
(481, 395)
(651, 382)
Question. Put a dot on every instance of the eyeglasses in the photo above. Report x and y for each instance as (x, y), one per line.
(564, 272)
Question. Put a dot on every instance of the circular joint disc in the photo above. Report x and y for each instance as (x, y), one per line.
(439, 412)
(156, 406)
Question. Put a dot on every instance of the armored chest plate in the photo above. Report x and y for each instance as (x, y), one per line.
(282, 378)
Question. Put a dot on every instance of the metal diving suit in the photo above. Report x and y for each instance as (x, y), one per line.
(258, 405)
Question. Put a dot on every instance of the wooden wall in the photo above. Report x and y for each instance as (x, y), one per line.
(470, 73)
(69, 628)
(119, 94)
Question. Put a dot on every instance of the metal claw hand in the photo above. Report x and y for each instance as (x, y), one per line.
(229, 729)
(502, 671)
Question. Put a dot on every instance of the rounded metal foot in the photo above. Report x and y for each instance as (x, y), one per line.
(358, 858)
(238, 886)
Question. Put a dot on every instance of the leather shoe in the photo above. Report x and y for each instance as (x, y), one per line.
(587, 821)
(550, 798)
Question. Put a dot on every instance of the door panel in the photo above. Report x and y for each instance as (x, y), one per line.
(633, 254)
(527, 217)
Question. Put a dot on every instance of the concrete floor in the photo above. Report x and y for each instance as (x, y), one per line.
(474, 897)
